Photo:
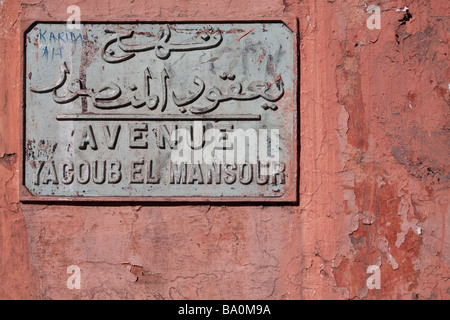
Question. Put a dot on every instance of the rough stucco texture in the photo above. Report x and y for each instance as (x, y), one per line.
(374, 174)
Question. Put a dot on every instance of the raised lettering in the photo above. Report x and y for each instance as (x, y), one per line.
(114, 174)
(150, 177)
(49, 175)
(177, 173)
(98, 171)
(215, 170)
(262, 173)
(278, 172)
(111, 138)
(164, 136)
(66, 171)
(136, 171)
(83, 172)
(230, 175)
(88, 138)
(195, 174)
(38, 171)
(137, 135)
(248, 174)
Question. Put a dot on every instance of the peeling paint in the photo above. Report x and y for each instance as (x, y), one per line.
(373, 185)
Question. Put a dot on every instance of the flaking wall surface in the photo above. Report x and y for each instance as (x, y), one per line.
(373, 187)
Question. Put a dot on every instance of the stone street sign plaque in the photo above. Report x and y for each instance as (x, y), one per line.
(179, 111)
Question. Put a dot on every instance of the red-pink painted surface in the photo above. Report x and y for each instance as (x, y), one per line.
(374, 173)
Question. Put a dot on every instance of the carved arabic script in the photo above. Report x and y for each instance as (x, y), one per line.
(162, 47)
(113, 96)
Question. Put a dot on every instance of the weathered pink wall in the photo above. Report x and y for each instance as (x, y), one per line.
(374, 165)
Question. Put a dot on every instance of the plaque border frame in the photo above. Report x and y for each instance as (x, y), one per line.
(290, 197)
